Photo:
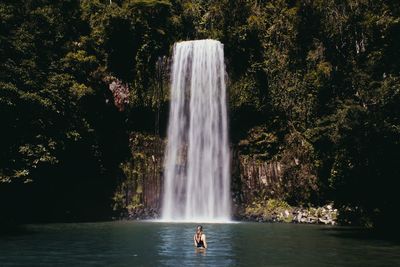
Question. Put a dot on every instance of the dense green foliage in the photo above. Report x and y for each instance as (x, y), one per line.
(311, 82)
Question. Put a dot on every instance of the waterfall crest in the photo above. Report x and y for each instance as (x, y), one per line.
(196, 162)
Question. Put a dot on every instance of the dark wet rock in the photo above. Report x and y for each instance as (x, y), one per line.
(141, 213)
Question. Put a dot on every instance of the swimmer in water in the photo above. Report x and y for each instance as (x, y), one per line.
(199, 238)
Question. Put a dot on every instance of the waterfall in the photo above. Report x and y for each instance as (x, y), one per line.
(196, 162)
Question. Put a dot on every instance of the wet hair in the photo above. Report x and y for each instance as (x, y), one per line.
(199, 227)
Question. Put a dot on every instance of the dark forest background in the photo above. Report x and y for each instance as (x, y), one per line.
(318, 80)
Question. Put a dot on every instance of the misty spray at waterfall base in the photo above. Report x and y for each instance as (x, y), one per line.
(197, 171)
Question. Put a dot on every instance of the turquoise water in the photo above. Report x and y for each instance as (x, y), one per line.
(164, 244)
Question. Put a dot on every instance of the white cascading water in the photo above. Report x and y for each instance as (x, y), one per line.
(196, 164)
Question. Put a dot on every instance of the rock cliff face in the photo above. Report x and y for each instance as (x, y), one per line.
(252, 178)
(142, 186)
(139, 193)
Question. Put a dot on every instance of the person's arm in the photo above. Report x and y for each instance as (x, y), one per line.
(204, 241)
(194, 240)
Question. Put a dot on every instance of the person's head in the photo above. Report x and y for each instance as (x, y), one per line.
(199, 229)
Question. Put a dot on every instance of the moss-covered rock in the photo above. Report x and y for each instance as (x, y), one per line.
(274, 210)
(269, 210)
(138, 192)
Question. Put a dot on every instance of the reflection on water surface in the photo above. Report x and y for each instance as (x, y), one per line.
(171, 244)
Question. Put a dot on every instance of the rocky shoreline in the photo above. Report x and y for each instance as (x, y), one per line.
(273, 211)
(141, 213)
(321, 215)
